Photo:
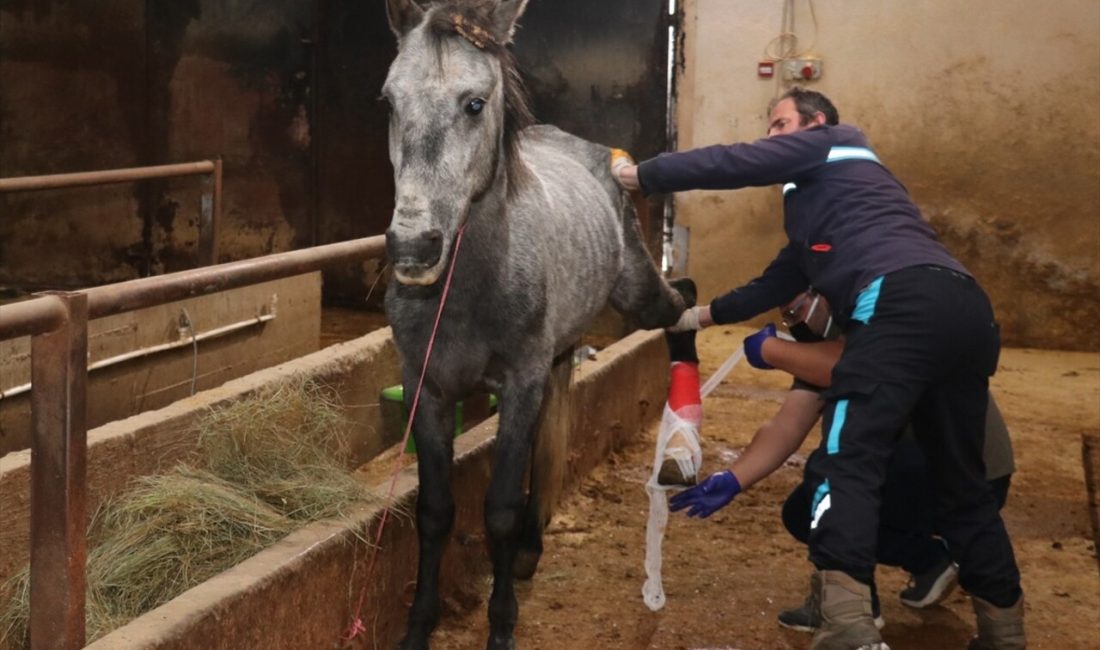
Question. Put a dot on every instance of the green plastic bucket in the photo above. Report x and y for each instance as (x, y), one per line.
(396, 416)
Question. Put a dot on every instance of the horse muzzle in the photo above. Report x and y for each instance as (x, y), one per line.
(417, 259)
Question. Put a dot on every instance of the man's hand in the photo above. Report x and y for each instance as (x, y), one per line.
(706, 498)
(693, 318)
(623, 170)
(754, 344)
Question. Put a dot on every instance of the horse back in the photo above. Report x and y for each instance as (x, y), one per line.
(571, 211)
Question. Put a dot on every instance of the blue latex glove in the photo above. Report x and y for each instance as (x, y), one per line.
(754, 342)
(709, 496)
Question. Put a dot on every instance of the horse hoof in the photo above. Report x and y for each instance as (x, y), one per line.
(527, 562)
(672, 475)
(686, 288)
(501, 643)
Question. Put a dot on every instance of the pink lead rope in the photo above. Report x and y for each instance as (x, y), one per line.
(356, 627)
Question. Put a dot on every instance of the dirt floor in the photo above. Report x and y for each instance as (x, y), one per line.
(726, 578)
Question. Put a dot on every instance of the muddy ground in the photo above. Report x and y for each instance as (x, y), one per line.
(726, 578)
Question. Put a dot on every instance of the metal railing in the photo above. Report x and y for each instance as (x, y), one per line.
(58, 325)
(210, 203)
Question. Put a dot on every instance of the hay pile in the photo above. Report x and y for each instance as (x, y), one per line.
(266, 465)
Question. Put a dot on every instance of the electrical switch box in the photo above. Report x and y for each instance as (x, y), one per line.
(802, 69)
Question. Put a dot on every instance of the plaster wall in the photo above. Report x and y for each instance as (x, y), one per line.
(161, 376)
(985, 110)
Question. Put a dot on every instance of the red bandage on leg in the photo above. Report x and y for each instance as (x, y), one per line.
(683, 391)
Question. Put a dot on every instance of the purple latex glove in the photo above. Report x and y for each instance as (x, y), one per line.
(712, 494)
(753, 344)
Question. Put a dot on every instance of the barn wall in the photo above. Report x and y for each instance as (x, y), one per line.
(119, 83)
(985, 110)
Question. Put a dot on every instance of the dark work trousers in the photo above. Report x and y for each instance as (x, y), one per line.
(920, 347)
(906, 516)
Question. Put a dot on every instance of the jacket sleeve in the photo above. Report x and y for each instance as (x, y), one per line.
(776, 286)
(768, 161)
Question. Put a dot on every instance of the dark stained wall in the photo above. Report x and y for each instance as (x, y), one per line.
(118, 83)
(354, 176)
(73, 96)
(599, 70)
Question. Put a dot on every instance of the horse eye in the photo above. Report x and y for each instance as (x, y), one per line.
(474, 106)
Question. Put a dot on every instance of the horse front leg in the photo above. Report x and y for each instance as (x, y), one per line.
(520, 402)
(433, 428)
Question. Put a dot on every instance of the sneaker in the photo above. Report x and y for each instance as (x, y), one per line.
(932, 586)
(803, 619)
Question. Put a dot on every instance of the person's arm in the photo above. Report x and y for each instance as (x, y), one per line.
(811, 362)
(768, 161)
(772, 444)
(781, 281)
(779, 437)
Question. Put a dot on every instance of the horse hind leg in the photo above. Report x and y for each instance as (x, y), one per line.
(547, 467)
(640, 293)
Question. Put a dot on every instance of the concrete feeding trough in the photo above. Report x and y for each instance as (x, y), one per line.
(303, 591)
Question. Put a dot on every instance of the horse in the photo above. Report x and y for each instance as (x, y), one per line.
(547, 240)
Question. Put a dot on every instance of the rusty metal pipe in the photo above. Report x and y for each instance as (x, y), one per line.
(59, 372)
(104, 177)
(147, 292)
(31, 317)
(8, 393)
(46, 313)
(215, 222)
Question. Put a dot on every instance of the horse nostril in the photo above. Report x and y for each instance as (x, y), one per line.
(431, 235)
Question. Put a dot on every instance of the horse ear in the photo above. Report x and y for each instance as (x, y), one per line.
(403, 16)
(504, 19)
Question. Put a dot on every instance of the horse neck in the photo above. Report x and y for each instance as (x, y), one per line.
(491, 207)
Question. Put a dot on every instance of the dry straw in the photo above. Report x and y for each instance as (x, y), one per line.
(265, 466)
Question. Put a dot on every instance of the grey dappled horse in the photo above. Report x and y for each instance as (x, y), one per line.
(549, 240)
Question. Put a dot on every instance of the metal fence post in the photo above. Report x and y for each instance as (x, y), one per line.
(210, 210)
(59, 370)
(215, 222)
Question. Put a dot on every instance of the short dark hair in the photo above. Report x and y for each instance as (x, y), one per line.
(809, 102)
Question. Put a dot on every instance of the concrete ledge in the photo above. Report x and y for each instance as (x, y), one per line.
(303, 591)
(149, 442)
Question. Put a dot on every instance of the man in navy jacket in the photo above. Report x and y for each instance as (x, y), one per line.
(921, 345)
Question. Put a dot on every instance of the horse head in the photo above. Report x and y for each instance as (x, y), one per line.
(456, 107)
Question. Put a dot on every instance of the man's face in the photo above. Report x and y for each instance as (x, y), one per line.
(809, 314)
(785, 119)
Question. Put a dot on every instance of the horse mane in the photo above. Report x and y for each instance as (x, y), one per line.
(472, 21)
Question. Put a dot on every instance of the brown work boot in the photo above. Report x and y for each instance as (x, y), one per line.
(844, 612)
(999, 628)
